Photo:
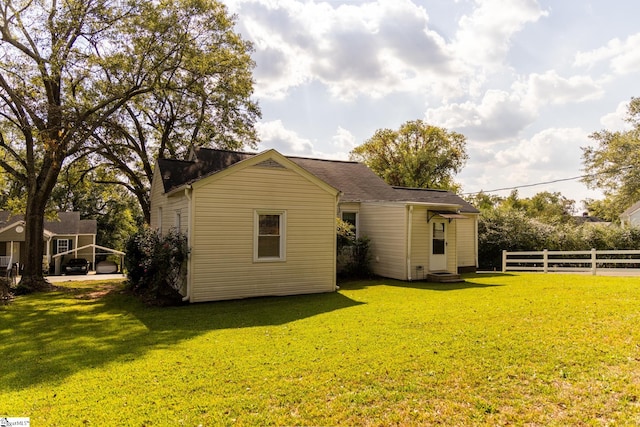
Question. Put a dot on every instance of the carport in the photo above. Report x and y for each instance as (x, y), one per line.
(97, 250)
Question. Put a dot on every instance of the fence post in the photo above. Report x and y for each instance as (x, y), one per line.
(504, 261)
(594, 259)
(545, 260)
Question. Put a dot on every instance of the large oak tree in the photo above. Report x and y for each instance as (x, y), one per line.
(206, 102)
(66, 69)
(416, 155)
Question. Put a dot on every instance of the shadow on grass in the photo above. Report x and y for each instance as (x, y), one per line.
(488, 274)
(50, 336)
(468, 283)
(246, 313)
(432, 286)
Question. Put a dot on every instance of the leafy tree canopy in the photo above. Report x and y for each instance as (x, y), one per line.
(69, 72)
(416, 155)
(544, 206)
(115, 209)
(207, 102)
(613, 165)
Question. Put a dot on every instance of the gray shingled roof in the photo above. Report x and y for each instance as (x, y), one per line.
(66, 223)
(356, 181)
(434, 196)
(207, 162)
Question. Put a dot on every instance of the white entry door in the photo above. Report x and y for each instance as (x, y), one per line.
(438, 261)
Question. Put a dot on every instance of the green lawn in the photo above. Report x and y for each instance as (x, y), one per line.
(521, 349)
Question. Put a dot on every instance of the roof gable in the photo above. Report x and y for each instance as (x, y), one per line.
(267, 159)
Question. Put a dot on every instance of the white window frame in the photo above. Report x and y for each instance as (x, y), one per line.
(178, 220)
(68, 243)
(160, 219)
(283, 235)
(356, 225)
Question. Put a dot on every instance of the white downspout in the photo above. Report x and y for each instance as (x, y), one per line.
(409, 232)
(335, 246)
(188, 195)
(475, 241)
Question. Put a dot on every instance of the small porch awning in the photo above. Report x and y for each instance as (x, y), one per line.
(445, 214)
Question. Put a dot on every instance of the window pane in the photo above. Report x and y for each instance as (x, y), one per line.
(438, 238)
(269, 236)
(269, 225)
(268, 246)
(63, 245)
(349, 217)
(438, 247)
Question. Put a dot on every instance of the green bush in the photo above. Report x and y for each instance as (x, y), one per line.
(514, 230)
(354, 255)
(157, 266)
(5, 290)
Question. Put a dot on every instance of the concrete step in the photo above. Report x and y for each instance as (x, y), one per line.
(444, 278)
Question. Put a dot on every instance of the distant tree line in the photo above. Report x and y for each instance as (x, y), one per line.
(544, 221)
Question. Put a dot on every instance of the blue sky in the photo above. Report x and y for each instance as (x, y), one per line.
(525, 81)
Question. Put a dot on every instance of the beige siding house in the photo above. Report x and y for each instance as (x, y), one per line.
(413, 232)
(264, 224)
(631, 216)
(257, 225)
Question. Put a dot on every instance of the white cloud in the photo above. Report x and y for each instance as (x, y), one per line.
(502, 114)
(344, 140)
(484, 36)
(616, 121)
(622, 56)
(550, 88)
(370, 49)
(498, 116)
(273, 134)
(552, 154)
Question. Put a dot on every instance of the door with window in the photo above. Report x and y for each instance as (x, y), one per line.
(438, 260)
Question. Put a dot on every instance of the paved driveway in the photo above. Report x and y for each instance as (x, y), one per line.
(81, 277)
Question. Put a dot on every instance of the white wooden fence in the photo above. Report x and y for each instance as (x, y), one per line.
(572, 261)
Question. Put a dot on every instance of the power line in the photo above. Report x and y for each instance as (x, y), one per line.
(545, 182)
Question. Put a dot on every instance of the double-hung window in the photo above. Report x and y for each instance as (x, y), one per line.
(269, 236)
(62, 245)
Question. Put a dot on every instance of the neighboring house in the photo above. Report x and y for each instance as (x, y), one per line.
(65, 234)
(264, 224)
(587, 219)
(631, 217)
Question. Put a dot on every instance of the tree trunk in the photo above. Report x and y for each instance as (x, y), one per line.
(33, 279)
(38, 192)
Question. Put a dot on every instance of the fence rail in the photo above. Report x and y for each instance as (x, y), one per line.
(571, 261)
